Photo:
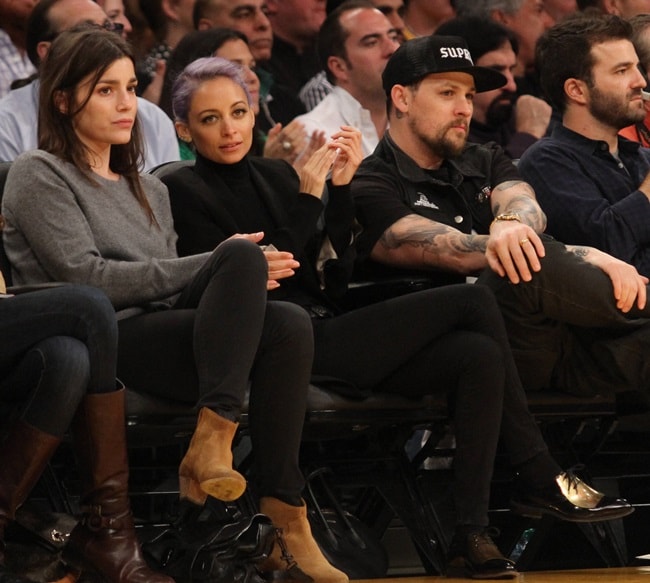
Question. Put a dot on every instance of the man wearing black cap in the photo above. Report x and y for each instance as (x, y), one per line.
(514, 122)
(430, 202)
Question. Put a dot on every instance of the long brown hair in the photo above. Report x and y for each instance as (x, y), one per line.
(85, 51)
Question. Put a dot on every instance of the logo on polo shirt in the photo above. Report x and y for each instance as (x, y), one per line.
(424, 201)
(455, 53)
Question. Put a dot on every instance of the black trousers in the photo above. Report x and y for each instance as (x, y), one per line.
(448, 340)
(566, 331)
(221, 337)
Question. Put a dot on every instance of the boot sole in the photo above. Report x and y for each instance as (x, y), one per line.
(538, 512)
(225, 489)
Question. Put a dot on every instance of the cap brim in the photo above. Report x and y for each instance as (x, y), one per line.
(486, 79)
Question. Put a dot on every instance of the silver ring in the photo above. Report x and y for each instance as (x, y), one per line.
(287, 146)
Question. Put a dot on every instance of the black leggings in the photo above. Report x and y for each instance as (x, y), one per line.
(221, 335)
(448, 340)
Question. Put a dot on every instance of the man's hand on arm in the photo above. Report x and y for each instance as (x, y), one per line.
(417, 242)
(514, 246)
(628, 284)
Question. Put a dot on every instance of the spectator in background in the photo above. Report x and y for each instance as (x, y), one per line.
(295, 26)
(393, 10)
(640, 131)
(250, 17)
(19, 109)
(624, 8)
(319, 86)
(559, 9)
(354, 44)
(593, 185)
(499, 116)
(528, 19)
(423, 17)
(170, 21)
(114, 9)
(14, 62)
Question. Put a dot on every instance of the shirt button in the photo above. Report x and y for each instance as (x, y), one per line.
(458, 219)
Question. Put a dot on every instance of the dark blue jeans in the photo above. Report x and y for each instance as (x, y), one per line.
(566, 332)
(56, 345)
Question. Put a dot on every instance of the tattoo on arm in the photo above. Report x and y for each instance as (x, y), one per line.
(523, 203)
(434, 239)
(581, 252)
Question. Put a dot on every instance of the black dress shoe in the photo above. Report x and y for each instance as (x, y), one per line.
(570, 499)
(475, 555)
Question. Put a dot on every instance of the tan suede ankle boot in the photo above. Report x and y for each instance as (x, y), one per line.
(299, 542)
(207, 465)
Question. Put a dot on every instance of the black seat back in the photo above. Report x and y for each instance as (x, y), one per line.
(4, 261)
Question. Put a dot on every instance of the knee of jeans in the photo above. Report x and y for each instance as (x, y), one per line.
(242, 252)
(65, 365)
(95, 308)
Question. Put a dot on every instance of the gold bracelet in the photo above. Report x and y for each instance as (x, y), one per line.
(506, 217)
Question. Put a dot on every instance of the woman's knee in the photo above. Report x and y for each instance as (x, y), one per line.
(66, 359)
(95, 309)
(291, 323)
(239, 253)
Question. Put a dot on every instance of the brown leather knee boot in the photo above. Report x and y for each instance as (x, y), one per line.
(104, 540)
(23, 457)
(299, 543)
(207, 465)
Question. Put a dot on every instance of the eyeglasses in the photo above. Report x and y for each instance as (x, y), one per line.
(117, 27)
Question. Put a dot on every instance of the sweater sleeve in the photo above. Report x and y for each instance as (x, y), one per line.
(51, 237)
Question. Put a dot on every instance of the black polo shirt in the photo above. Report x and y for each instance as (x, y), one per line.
(389, 185)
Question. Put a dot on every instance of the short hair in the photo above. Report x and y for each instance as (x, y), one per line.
(485, 7)
(332, 35)
(481, 35)
(197, 73)
(194, 45)
(640, 23)
(155, 17)
(564, 51)
(201, 7)
(39, 29)
(82, 52)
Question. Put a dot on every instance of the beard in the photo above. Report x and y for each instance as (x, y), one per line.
(500, 110)
(441, 144)
(613, 110)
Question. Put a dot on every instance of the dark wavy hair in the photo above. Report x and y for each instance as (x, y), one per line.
(85, 51)
(564, 51)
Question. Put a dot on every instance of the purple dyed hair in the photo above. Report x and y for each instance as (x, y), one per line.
(197, 73)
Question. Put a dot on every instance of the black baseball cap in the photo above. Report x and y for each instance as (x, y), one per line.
(424, 55)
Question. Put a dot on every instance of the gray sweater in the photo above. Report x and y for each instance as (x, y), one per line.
(61, 227)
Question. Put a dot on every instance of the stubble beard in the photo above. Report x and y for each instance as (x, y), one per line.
(614, 112)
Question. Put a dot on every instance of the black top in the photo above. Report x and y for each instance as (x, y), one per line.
(389, 185)
(210, 202)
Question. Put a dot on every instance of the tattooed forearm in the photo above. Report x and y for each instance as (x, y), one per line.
(420, 242)
(520, 200)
